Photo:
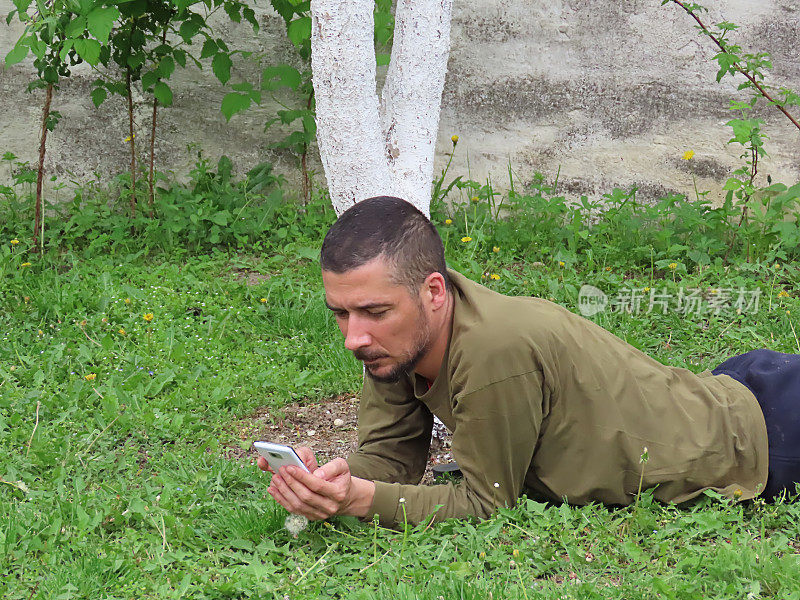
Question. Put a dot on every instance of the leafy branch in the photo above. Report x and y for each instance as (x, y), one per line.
(748, 65)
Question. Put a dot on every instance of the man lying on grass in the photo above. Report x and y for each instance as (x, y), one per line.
(539, 400)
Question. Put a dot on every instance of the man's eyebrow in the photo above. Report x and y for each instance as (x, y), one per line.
(368, 306)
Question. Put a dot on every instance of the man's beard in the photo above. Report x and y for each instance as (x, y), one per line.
(422, 343)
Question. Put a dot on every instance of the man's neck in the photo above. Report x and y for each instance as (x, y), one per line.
(430, 364)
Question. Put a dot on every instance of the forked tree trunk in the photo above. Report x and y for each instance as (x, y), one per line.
(37, 218)
(370, 148)
(412, 95)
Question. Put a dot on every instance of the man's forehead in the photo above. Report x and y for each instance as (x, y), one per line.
(366, 286)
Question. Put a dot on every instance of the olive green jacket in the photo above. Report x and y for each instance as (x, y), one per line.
(543, 401)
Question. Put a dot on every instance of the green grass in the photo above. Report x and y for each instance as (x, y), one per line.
(117, 486)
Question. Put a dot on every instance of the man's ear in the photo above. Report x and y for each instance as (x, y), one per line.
(434, 290)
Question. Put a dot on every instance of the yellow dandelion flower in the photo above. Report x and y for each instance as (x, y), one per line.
(673, 266)
(561, 263)
(783, 294)
(737, 493)
(122, 331)
(91, 376)
(776, 266)
(127, 300)
(475, 199)
(515, 553)
(14, 242)
(646, 288)
(41, 332)
(496, 249)
(448, 221)
(454, 139)
(608, 268)
(466, 239)
(148, 317)
(25, 264)
(494, 276)
(129, 138)
(688, 155)
(481, 554)
(263, 300)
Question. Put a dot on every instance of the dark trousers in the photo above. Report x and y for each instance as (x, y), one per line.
(774, 379)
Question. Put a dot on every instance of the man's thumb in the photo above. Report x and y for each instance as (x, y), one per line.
(332, 469)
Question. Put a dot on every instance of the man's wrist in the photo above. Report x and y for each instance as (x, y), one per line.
(362, 492)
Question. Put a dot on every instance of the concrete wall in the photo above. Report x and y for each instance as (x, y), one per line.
(612, 93)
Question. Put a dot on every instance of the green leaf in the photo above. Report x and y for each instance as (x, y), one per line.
(221, 65)
(101, 21)
(732, 184)
(232, 9)
(163, 94)
(310, 125)
(383, 59)
(233, 103)
(190, 27)
(209, 49)
(64, 53)
(180, 57)
(299, 31)
(99, 95)
(250, 16)
(166, 67)
(38, 47)
(22, 5)
(76, 27)
(280, 76)
(221, 218)
(88, 50)
(149, 80)
(17, 55)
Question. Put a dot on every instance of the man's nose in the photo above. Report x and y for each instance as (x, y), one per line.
(356, 336)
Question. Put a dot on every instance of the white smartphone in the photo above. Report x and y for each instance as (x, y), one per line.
(278, 455)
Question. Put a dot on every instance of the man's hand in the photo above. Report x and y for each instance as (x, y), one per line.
(304, 452)
(326, 491)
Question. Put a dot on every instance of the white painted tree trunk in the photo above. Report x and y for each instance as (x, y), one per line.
(370, 149)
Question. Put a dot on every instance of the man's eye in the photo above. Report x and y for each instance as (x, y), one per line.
(378, 313)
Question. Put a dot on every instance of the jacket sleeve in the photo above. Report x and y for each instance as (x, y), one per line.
(394, 434)
(496, 431)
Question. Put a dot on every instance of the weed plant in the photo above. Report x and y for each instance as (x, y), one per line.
(125, 358)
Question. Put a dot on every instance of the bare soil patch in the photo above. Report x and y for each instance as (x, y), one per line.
(328, 427)
(249, 277)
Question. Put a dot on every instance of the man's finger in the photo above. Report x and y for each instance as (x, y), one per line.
(312, 515)
(313, 482)
(289, 499)
(263, 464)
(324, 499)
(333, 469)
(305, 503)
(306, 454)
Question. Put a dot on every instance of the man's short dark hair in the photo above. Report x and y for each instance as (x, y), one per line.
(389, 228)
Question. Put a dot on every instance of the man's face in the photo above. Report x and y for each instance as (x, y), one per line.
(382, 323)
